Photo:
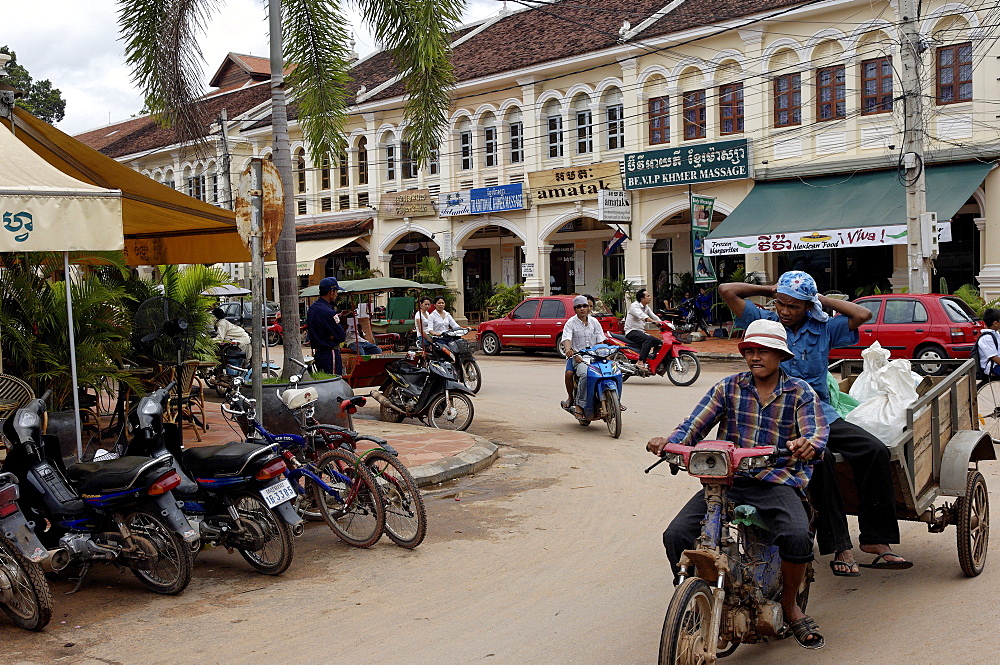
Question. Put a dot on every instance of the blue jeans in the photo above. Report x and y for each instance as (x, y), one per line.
(364, 348)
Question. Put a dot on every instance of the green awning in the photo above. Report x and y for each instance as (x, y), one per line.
(833, 205)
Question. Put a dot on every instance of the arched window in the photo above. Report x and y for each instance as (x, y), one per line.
(490, 142)
(584, 120)
(363, 161)
(554, 128)
(614, 119)
(515, 128)
(300, 171)
(787, 89)
(465, 144)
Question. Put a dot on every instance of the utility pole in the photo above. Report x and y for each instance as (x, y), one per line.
(921, 233)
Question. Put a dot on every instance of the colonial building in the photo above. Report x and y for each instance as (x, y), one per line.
(787, 115)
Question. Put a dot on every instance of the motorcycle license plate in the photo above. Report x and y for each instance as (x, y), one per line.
(278, 493)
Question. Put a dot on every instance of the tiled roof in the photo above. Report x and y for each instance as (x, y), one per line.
(340, 229)
(561, 30)
(144, 133)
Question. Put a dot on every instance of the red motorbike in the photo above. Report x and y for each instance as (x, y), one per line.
(275, 334)
(678, 361)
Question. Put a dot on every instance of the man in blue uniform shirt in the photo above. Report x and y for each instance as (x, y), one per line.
(325, 331)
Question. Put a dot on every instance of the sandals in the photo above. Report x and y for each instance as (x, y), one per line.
(806, 634)
(565, 404)
(881, 563)
(844, 569)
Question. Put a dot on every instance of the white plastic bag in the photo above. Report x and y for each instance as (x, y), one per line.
(884, 414)
(866, 385)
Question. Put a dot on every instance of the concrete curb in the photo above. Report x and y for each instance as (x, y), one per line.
(720, 357)
(482, 454)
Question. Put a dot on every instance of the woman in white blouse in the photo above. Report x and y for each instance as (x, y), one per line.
(441, 320)
(422, 320)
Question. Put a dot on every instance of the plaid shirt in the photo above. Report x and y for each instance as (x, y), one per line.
(747, 420)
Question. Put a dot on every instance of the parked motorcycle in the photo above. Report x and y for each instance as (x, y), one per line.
(604, 389)
(119, 511)
(239, 497)
(233, 363)
(431, 393)
(451, 346)
(679, 361)
(24, 593)
(275, 334)
(730, 582)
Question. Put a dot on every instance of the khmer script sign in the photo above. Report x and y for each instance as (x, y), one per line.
(706, 162)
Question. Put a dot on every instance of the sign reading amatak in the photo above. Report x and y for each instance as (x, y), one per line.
(573, 184)
(411, 203)
(708, 162)
(614, 205)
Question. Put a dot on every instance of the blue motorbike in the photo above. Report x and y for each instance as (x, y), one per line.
(604, 389)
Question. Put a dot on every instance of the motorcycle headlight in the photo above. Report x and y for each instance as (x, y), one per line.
(27, 419)
(604, 351)
(709, 463)
(150, 407)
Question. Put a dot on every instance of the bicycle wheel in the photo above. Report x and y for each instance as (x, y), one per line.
(277, 547)
(353, 507)
(405, 515)
(168, 568)
(988, 396)
(612, 412)
(27, 600)
(686, 638)
(684, 369)
(454, 413)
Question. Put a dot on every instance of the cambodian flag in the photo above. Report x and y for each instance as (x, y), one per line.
(617, 239)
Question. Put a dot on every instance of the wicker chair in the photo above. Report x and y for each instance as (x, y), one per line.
(14, 393)
(191, 400)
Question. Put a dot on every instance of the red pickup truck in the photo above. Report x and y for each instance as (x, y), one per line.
(536, 323)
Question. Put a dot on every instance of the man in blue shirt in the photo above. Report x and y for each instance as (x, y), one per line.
(811, 334)
(325, 331)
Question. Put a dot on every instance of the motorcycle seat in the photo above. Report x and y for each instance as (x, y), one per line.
(623, 338)
(122, 474)
(229, 459)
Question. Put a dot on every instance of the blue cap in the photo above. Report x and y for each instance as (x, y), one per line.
(328, 284)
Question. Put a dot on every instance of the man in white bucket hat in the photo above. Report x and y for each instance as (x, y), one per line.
(761, 407)
(799, 307)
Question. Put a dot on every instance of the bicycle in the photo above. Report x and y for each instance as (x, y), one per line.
(339, 486)
(405, 514)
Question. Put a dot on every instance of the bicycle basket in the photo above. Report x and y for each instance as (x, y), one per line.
(463, 346)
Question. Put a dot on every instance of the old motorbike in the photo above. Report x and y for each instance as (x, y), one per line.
(119, 511)
(730, 583)
(238, 498)
(429, 392)
(678, 361)
(24, 593)
(604, 389)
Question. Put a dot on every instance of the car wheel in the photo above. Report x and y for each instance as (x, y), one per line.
(559, 348)
(491, 344)
(930, 352)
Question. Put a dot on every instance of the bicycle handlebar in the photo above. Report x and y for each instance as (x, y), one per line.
(299, 363)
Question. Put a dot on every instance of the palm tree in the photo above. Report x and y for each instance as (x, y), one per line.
(311, 38)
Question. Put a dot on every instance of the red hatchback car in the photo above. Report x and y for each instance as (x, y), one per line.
(536, 323)
(927, 326)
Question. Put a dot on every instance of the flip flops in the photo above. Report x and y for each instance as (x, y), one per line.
(804, 629)
(880, 563)
(565, 404)
(843, 568)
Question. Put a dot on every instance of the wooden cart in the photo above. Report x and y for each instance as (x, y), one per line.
(935, 460)
(362, 371)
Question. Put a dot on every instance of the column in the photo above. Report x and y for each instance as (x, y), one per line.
(980, 223)
(900, 279)
(632, 104)
(641, 258)
(542, 272)
(455, 279)
(383, 263)
(989, 273)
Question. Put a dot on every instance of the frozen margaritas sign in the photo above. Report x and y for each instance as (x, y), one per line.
(708, 162)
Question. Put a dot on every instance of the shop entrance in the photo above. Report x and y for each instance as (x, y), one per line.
(561, 275)
(844, 270)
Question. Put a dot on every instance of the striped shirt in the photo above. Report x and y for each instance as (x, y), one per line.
(748, 420)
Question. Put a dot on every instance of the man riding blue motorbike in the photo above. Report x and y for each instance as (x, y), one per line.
(593, 380)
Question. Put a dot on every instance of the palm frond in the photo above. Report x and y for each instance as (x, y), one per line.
(161, 48)
(315, 36)
(418, 34)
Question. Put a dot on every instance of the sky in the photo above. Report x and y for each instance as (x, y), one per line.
(75, 44)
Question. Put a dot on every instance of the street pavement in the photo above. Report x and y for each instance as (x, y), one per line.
(550, 555)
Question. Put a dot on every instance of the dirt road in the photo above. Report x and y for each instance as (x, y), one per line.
(551, 556)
